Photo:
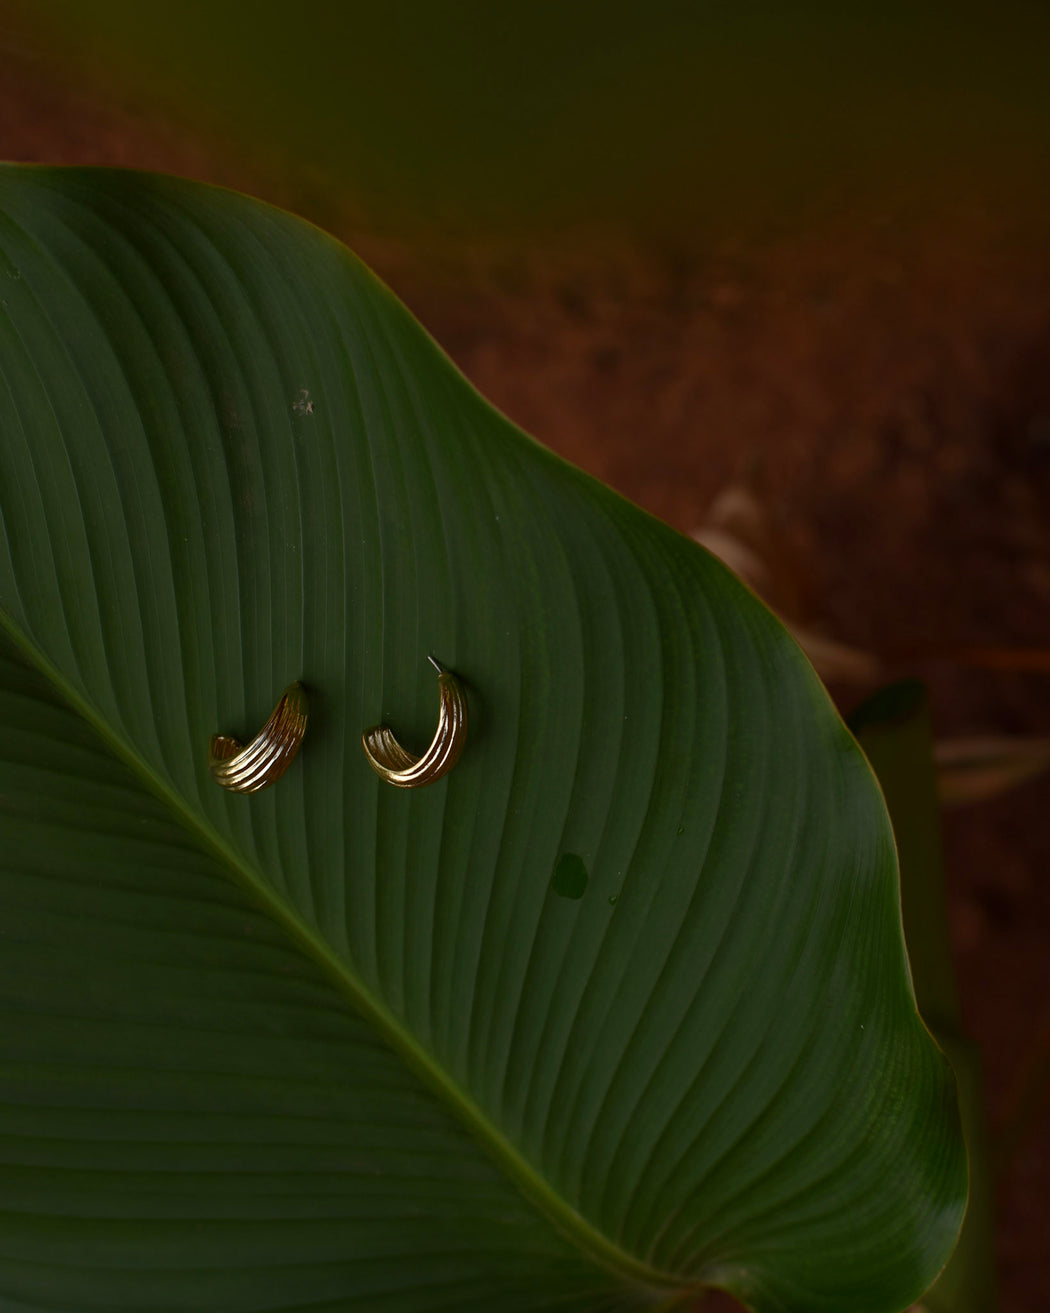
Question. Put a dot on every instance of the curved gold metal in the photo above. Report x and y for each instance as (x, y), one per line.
(401, 768)
(262, 763)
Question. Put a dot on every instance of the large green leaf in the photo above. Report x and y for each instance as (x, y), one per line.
(340, 1046)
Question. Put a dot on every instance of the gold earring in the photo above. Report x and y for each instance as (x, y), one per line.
(262, 763)
(397, 766)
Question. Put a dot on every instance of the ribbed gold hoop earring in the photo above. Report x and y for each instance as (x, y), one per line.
(399, 767)
(262, 763)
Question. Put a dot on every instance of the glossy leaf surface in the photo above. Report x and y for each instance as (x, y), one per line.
(616, 1010)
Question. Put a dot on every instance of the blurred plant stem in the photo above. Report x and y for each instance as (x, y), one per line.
(895, 730)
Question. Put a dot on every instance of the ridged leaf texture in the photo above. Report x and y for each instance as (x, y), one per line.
(617, 1010)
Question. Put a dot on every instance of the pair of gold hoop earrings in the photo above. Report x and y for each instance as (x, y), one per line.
(247, 769)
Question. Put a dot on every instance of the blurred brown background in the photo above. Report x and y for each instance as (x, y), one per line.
(860, 340)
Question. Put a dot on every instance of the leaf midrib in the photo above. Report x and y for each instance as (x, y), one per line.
(536, 1188)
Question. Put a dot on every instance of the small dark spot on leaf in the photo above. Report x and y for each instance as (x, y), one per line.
(570, 876)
